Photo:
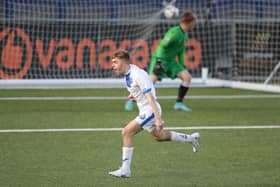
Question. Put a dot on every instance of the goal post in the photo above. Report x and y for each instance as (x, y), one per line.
(68, 44)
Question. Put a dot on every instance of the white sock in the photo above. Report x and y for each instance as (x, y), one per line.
(127, 153)
(180, 137)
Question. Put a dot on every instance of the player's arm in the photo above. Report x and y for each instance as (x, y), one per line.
(152, 102)
(144, 82)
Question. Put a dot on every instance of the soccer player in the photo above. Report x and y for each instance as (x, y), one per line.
(140, 86)
(164, 63)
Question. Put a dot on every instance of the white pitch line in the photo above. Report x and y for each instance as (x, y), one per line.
(119, 129)
(124, 97)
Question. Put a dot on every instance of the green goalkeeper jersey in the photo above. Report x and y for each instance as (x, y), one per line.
(172, 45)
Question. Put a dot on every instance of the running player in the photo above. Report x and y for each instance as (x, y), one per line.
(142, 89)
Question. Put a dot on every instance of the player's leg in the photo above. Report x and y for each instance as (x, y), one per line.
(176, 70)
(177, 137)
(162, 135)
(131, 129)
(182, 91)
(128, 132)
(190, 138)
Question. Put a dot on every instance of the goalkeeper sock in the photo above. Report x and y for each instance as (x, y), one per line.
(180, 137)
(127, 153)
(182, 92)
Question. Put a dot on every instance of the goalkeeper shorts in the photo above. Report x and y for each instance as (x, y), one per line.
(169, 68)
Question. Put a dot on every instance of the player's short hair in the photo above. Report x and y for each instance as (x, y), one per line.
(188, 17)
(121, 54)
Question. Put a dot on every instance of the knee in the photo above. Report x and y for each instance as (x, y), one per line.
(157, 138)
(188, 77)
(124, 132)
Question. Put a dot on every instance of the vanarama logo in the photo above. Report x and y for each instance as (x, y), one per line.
(48, 53)
(14, 64)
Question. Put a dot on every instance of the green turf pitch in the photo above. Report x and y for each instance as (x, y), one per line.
(240, 157)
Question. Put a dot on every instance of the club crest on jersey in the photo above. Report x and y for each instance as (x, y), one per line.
(167, 38)
(143, 116)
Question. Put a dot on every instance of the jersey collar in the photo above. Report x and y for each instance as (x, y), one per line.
(181, 29)
(129, 70)
(128, 78)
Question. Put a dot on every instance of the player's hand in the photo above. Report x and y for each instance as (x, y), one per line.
(130, 97)
(159, 125)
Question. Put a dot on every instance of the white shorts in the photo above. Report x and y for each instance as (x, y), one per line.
(147, 120)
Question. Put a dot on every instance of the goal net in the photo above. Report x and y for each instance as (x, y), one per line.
(69, 42)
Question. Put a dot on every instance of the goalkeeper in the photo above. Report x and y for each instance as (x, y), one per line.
(164, 63)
